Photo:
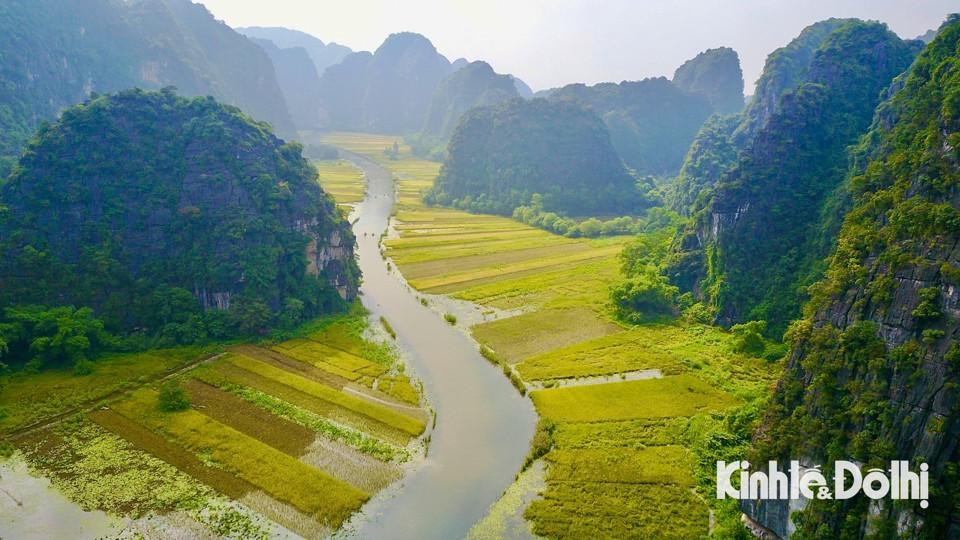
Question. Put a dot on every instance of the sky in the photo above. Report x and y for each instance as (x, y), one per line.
(549, 43)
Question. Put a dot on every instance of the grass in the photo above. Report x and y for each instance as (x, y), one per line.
(31, 398)
(683, 395)
(652, 465)
(282, 476)
(341, 179)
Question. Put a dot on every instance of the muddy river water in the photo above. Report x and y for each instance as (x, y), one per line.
(483, 426)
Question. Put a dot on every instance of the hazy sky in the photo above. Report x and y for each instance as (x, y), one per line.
(549, 43)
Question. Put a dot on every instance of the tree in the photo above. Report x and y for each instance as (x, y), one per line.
(42, 337)
(173, 398)
(643, 296)
(250, 316)
(748, 337)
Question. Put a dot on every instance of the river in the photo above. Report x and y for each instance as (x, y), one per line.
(483, 426)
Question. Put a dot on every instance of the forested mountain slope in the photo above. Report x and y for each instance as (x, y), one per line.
(388, 91)
(56, 52)
(133, 199)
(873, 368)
(769, 223)
(716, 75)
(476, 84)
(651, 122)
(501, 155)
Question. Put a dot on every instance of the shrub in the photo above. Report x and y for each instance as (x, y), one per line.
(748, 337)
(173, 398)
(450, 318)
(641, 297)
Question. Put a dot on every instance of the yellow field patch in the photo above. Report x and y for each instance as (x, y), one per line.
(682, 395)
(517, 338)
(341, 179)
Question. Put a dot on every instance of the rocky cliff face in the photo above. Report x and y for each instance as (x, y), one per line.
(142, 190)
(298, 81)
(873, 371)
(769, 223)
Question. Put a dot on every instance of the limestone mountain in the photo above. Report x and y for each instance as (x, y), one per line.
(57, 52)
(651, 122)
(388, 91)
(873, 368)
(322, 54)
(772, 216)
(501, 155)
(130, 196)
(298, 81)
(716, 75)
(473, 85)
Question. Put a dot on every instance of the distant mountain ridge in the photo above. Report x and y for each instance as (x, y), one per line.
(323, 54)
(58, 52)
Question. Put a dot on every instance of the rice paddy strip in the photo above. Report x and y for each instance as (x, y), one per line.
(225, 373)
(288, 437)
(399, 387)
(522, 336)
(682, 395)
(653, 465)
(342, 180)
(576, 510)
(348, 465)
(353, 438)
(389, 417)
(290, 364)
(282, 476)
(333, 360)
(147, 441)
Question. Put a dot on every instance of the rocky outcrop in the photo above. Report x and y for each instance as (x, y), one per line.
(714, 74)
(473, 85)
(873, 370)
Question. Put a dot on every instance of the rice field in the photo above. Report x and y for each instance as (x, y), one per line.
(621, 456)
(301, 434)
(342, 180)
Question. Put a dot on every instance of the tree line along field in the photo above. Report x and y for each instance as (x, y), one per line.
(626, 458)
(300, 432)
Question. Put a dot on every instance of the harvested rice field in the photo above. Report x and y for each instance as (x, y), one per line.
(623, 457)
(292, 437)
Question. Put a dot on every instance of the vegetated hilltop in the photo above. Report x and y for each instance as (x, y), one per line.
(651, 122)
(473, 85)
(716, 75)
(298, 81)
(56, 52)
(874, 364)
(322, 54)
(388, 91)
(771, 220)
(500, 155)
(156, 209)
(715, 149)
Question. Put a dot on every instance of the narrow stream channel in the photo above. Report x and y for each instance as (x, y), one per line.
(483, 428)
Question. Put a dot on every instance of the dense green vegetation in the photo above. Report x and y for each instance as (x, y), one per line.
(882, 324)
(108, 46)
(711, 155)
(174, 219)
(775, 209)
(716, 75)
(500, 156)
(474, 85)
(651, 122)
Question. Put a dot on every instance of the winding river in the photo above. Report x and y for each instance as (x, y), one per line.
(483, 426)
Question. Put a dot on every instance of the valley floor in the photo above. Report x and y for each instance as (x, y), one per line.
(632, 418)
(283, 439)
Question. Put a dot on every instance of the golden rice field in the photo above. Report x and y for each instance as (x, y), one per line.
(342, 180)
(620, 454)
(302, 433)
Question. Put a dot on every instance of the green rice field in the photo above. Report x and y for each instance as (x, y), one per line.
(625, 459)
